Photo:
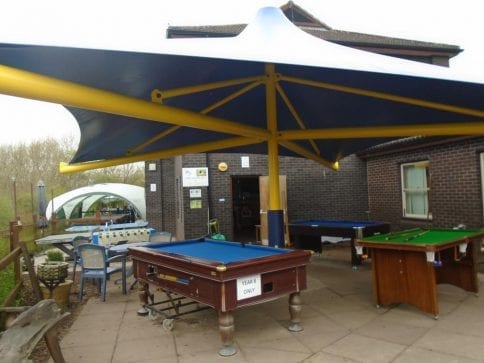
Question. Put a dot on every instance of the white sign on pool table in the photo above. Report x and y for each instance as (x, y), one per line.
(248, 286)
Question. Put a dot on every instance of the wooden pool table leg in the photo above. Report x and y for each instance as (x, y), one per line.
(295, 308)
(226, 327)
(143, 295)
(355, 258)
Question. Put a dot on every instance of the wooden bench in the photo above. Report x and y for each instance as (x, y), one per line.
(22, 336)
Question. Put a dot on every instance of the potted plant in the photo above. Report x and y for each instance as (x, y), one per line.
(54, 256)
(54, 270)
(53, 273)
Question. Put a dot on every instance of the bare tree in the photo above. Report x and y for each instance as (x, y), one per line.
(25, 164)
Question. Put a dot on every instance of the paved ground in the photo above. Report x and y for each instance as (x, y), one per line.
(341, 324)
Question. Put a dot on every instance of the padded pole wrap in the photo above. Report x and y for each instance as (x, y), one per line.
(275, 223)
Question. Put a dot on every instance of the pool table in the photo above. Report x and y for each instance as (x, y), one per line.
(307, 233)
(224, 275)
(407, 265)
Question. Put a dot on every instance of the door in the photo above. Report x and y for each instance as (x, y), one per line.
(264, 206)
(245, 206)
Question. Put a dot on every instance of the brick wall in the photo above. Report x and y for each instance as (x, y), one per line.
(195, 220)
(154, 205)
(455, 190)
(313, 191)
(317, 192)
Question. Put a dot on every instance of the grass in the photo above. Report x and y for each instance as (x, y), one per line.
(6, 276)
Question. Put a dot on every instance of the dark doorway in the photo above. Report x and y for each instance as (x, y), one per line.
(246, 207)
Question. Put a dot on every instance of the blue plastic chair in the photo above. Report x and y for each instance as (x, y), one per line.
(76, 242)
(96, 265)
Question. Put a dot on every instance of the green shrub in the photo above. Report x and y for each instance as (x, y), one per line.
(55, 255)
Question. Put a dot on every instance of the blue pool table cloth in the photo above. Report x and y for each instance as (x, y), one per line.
(218, 251)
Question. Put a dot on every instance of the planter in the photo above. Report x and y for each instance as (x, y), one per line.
(60, 294)
(52, 273)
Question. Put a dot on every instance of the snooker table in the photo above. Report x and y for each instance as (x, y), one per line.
(408, 265)
(307, 233)
(224, 275)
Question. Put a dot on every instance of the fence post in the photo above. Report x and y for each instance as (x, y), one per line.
(14, 243)
(34, 282)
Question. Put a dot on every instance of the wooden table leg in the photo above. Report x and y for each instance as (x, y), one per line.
(295, 308)
(226, 327)
(143, 295)
(52, 343)
(355, 258)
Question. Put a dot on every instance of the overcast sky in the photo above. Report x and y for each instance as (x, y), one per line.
(141, 24)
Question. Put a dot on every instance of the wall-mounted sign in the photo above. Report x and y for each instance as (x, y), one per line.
(195, 177)
(195, 193)
(245, 161)
(195, 204)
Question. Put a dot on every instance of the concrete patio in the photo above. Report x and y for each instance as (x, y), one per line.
(341, 324)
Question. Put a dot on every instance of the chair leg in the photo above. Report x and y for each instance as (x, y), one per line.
(103, 289)
(123, 276)
(74, 271)
(81, 287)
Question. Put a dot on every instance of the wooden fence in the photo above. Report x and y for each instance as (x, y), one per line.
(17, 250)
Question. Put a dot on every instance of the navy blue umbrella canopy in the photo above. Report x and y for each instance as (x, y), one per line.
(329, 101)
(272, 89)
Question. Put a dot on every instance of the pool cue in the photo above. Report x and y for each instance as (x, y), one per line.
(417, 235)
(401, 234)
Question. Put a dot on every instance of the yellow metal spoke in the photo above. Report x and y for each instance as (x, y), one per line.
(450, 129)
(204, 111)
(308, 154)
(230, 97)
(162, 154)
(386, 96)
(155, 138)
(295, 114)
(159, 95)
(25, 84)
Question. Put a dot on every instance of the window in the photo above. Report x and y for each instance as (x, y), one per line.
(482, 179)
(415, 190)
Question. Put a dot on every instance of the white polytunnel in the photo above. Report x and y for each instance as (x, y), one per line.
(76, 203)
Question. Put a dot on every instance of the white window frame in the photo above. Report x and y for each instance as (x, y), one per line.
(424, 191)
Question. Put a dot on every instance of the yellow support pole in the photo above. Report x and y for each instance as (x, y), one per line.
(275, 216)
(273, 152)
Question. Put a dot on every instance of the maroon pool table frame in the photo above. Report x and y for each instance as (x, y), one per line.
(215, 284)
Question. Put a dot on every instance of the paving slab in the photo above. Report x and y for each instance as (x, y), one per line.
(340, 320)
